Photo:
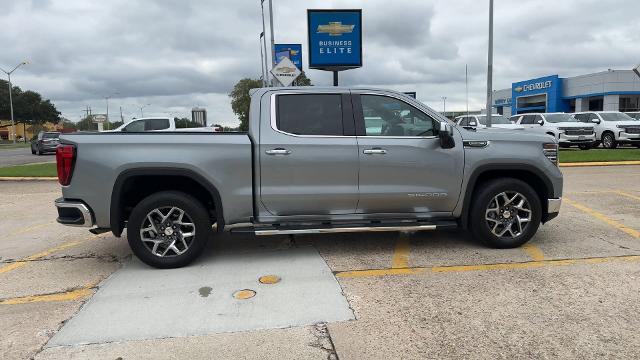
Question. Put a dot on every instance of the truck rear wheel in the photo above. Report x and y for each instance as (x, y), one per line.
(505, 213)
(168, 229)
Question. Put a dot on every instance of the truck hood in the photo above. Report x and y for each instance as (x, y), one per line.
(500, 134)
(570, 125)
(508, 126)
(624, 123)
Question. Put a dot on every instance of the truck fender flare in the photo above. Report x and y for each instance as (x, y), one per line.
(117, 225)
(477, 172)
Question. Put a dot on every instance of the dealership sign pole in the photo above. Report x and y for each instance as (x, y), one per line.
(490, 66)
(335, 40)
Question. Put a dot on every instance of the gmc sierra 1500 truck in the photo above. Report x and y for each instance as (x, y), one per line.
(315, 160)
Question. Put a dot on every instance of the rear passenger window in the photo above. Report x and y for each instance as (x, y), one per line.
(156, 124)
(309, 114)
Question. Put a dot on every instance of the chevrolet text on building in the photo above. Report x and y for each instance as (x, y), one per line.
(535, 86)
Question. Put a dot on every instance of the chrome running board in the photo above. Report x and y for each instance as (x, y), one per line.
(331, 230)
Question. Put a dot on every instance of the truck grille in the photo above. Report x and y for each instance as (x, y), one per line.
(579, 131)
(632, 130)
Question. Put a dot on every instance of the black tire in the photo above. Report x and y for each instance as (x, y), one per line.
(33, 152)
(40, 151)
(480, 227)
(609, 141)
(168, 199)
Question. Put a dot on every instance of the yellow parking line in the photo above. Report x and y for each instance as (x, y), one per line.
(633, 232)
(483, 267)
(28, 229)
(401, 253)
(622, 193)
(26, 260)
(533, 251)
(71, 295)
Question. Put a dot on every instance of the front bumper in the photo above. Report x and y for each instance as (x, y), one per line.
(626, 137)
(74, 213)
(565, 139)
(553, 208)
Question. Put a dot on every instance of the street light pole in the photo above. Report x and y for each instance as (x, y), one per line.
(263, 62)
(264, 44)
(490, 66)
(444, 106)
(142, 107)
(273, 46)
(13, 125)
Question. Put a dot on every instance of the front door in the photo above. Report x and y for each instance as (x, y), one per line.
(403, 168)
(309, 155)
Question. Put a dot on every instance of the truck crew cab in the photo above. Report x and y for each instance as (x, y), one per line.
(315, 160)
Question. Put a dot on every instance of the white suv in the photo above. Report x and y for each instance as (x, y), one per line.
(612, 127)
(563, 127)
(480, 121)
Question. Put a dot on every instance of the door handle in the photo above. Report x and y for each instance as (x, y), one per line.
(374, 151)
(278, 151)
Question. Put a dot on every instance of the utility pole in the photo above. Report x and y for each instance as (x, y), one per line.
(490, 66)
(466, 84)
(444, 106)
(121, 117)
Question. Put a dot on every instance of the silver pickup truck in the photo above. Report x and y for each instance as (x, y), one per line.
(315, 160)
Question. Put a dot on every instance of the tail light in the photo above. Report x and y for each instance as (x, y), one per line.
(65, 159)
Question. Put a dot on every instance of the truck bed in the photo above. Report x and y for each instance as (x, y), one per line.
(223, 159)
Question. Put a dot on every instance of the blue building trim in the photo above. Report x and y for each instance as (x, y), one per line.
(551, 86)
(601, 94)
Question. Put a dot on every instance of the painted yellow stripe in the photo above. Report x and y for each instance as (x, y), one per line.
(533, 251)
(622, 193)
(401, 253)
(600, 163)
(483, 267)
(618, 225)
(26, 260)
(28, 229)
(76, 294)
(28, 178)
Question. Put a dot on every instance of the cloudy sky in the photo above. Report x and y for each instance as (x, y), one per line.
(176, 54)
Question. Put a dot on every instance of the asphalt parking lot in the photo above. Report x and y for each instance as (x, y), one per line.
(20, 156)
(572, 292)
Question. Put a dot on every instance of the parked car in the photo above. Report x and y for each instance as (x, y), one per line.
(311, 162)
(635, 115)
(480, 121)
(45, 142)
(157, 124)
(563, 127)
(612, 127)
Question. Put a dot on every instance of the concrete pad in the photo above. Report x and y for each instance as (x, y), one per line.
(139, 302)
(577, 312)
(292, 343)
(26, 328)
(354, 251)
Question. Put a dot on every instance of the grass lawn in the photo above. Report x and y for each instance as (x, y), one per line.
(623, 154)
(36, 170)
(5, 146)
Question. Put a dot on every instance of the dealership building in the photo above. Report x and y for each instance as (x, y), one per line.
(612, 90)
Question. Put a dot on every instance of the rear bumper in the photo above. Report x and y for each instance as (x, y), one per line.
(74, 213)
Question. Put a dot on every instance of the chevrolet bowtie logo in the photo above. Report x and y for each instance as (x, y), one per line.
(335, 28)
(286, 69)
(518, 89)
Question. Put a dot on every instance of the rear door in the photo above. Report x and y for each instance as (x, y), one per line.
(309, 155)
(404, 169)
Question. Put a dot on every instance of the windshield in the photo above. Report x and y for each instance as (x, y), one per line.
(495, 119)
(616, 116)
(556, 118)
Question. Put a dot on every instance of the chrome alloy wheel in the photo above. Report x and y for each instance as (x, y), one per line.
(167, 231)
(508, 214)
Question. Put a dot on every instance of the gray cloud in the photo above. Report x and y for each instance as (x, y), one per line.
(177, 54)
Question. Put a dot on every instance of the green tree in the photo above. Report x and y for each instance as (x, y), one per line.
(184, 123)
(302, 80)
(87, 124)
(28, 106)
(240, 100)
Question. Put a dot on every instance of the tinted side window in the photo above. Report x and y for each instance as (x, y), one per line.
(309, 114)
(537, 118)
(593, 116)
(527, 119)
(156, 124)
(386, 116)
(581, 117)
(135, 126)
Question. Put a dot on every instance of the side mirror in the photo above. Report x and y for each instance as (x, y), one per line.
(540, 122)
(595, 121)
(473, 123)
(446, 136)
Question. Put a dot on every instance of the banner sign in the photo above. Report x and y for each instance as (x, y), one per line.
(335, 39)
(291, 51)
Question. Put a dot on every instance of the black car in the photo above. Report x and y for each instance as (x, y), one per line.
(45, 142)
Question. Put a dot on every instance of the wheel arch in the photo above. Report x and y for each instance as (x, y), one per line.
(527, 173)
(153, 180)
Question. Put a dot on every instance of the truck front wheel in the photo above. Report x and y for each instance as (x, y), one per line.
(505, 213)
(168, 229)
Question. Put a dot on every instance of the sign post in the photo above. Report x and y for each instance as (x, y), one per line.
(335, 40)
(100, 120)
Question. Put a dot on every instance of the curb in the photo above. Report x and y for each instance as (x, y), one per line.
(600, 163)
(27, 178)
